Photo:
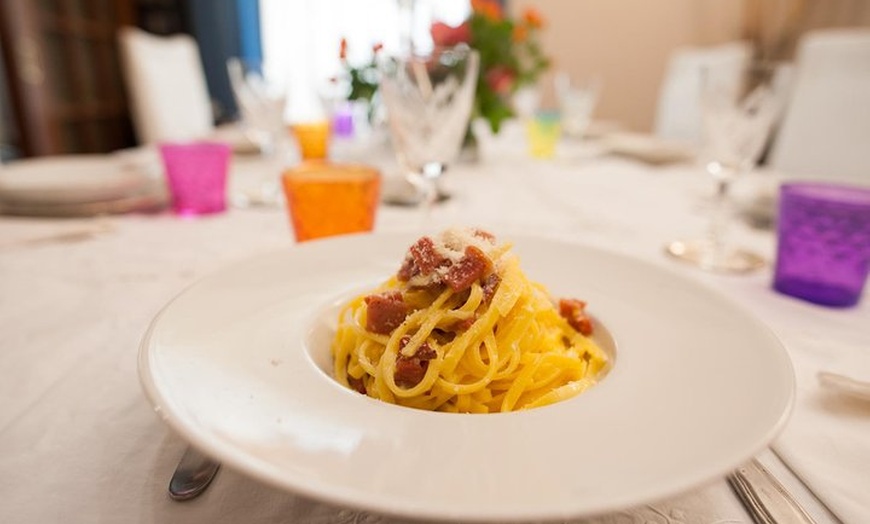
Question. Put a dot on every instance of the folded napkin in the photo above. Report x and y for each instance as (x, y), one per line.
(68, 179)
(827, 441)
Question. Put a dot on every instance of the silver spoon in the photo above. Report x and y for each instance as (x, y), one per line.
(193, 474)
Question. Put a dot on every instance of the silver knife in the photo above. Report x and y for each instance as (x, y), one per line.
(767, 501)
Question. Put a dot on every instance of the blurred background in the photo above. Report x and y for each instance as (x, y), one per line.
(64, 89)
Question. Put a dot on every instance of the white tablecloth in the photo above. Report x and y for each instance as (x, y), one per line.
(80, 444)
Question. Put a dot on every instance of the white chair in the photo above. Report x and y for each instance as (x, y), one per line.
(678, 115)
(825, 132)
(166, 86)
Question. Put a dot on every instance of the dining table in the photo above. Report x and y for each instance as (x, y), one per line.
(81, 443)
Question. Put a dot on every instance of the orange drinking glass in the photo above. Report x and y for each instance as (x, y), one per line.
(326, 199)
(313, 139)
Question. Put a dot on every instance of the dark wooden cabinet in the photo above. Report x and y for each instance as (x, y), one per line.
(64, 75)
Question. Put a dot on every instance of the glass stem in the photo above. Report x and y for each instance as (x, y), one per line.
(406, 26)
(719, 217)
(430, 195)
(429, 189)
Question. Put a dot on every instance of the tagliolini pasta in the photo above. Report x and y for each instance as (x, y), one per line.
(460, 328)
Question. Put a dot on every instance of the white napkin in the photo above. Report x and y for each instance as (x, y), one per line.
(827, 441)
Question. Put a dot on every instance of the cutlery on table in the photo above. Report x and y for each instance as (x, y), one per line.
(846, 385)
(192, 476)
(766, 500)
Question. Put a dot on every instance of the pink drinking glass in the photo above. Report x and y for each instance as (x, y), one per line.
(197, 176)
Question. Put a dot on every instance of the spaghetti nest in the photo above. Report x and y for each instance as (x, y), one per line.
(460, 328)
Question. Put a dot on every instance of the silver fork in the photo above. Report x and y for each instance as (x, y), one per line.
(192, 476)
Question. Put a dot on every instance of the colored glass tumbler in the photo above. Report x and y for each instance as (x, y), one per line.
(197, 176)
(342, 120)
(326, 199)
(544, 132)
(313, 139)
(823, 253)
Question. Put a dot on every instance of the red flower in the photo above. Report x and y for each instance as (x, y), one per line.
(500, 79)
(377, 48)
(342, 49)
(445, 35)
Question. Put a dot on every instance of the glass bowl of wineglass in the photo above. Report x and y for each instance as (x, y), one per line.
(739, 112)
(262, 102)
(428, 98)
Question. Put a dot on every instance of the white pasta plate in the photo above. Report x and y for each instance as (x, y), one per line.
(238, 365)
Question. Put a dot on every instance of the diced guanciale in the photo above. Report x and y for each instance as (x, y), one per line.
(385, 312)
(411, 370)
(422, 258)
(464, 325)
(356, 384)
(408, 270)
(490, 285)
(469, 269)
(573, 311)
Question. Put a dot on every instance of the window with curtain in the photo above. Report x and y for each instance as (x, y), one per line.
(301, 38)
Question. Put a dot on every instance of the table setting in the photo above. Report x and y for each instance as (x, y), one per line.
(179, 361)
(76, 311)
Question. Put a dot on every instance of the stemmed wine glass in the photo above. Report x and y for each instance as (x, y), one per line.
(428, 98)
(738, 113)
(261, 103)
(577, 101)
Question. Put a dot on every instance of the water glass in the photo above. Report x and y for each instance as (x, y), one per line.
(543, 132)
(739, 110)
(261, 103)
(577, 101)
(326, 199)
(197, 176)
(823, 253)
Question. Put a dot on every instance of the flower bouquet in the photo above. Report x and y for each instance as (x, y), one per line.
(510, 58)
(510, 55)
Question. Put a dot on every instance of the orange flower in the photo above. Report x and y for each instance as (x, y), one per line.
(342, 49)
(377, 48)
(489, 9)
(532, 17)
(521, 32)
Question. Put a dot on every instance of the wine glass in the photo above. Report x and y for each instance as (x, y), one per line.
(577, 101)
(262, 104)
(428, 99)
(738, 114)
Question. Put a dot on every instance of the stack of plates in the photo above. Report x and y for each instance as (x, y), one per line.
(78, 185)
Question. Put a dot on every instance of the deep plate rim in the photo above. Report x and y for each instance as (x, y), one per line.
(170, 412)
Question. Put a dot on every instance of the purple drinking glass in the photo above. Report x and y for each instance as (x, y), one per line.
(197, 176)
(823, 254)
